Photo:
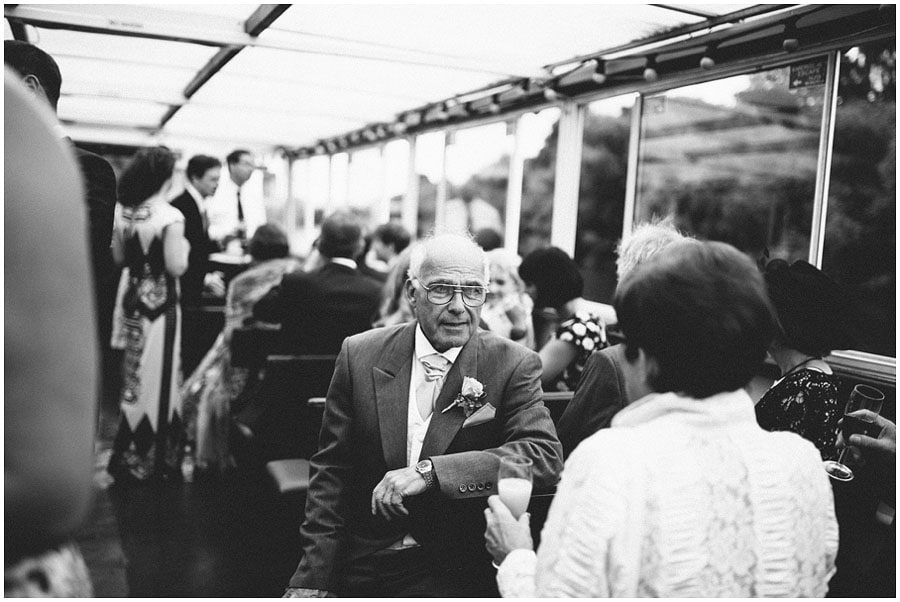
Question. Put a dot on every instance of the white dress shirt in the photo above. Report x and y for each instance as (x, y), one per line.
(684, 498)
(416, 425)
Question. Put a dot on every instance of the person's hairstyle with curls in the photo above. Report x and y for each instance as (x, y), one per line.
(145, 175)
(812, 312)
(269, 241)
(341, 236)
(393, 234)
(554, 274)
(198, 165)
(27, 59)
(701, 311)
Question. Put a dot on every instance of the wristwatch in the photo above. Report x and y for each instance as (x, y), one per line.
(426, 469)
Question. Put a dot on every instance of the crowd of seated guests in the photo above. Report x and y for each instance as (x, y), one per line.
(679, 436)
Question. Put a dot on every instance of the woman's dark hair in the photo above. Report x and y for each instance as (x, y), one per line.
(812, 310)
(268, 242)
(555, 276)
(701, 311)
(145, 175)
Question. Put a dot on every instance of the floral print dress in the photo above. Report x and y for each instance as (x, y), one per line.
(803, 402)
(587, 333)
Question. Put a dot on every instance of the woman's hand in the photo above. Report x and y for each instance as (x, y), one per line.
(504, 533)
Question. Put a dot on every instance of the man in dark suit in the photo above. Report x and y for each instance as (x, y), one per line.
(318, 309)
(42, 77)
(405, 463)
(202, 179)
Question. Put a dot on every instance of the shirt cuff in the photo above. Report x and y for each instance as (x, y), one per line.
(515, 577)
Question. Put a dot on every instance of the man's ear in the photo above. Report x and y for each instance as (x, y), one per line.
(34, 85)
(410, 290)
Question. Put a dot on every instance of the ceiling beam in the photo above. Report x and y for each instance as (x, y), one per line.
(694, 12)
(159, 24)
(262, 17)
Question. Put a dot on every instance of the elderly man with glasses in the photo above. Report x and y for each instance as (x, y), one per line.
(417, 418)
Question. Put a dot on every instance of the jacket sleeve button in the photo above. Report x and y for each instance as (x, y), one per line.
(462, 488)
(480, 486)
(488, 485)
(471, 486)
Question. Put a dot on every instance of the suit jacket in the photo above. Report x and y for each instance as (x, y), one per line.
(608, 384)
(317, 310)
(100, 196)
(363, 436)
(201, 246)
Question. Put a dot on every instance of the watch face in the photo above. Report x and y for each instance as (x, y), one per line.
(423, 465)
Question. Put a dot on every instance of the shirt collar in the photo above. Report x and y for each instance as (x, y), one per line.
(344, 261)
(731, 407)
(425, 348)
(194, 193)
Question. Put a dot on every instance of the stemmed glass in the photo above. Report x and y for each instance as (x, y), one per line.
(863, 397)
(514, 483)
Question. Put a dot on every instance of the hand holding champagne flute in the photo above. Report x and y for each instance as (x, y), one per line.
(514, 483)
(863, 397)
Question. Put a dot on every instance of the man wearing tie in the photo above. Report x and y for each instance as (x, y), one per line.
(202, 179)
(417, 418)
(236, 212)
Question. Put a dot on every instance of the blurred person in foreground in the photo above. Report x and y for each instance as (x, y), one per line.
(812, 317)
(609, 381)
(553, 280)
(685, 496)
(50, 353)
(417, 418)
(507, 310)
(207, 395)
(148, 240)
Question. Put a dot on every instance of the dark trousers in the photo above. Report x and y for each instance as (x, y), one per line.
(192, 343)
(412, 573)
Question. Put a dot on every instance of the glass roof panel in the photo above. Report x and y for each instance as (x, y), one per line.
(508, 33)
(114, 74)
(64, 43)
(110, 110)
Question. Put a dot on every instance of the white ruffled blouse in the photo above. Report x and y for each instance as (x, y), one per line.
(684, 498)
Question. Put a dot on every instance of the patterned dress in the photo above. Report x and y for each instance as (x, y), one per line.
(803, 402)
(146, 325)
(587, 333)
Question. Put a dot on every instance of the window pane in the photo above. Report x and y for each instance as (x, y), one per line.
(396, 159)
(429, 161)
(365, 183)
(337, 196)
(538, 134)
(860, 237)
(601, 197)
(735, 159)
(477, 177)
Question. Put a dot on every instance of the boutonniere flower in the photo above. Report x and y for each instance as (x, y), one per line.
(470, 398)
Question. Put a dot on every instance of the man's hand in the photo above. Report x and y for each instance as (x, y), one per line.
(214, 282)
(504, 533)
(387, 497)
(302, 592)
(885, 445)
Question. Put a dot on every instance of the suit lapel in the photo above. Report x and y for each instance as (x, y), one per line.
(445, 425)
(391, 376)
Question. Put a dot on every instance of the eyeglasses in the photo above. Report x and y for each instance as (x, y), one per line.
(442, 294)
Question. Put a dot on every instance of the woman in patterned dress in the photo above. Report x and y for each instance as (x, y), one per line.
(148, 240)
(812, 321)
(553, 280)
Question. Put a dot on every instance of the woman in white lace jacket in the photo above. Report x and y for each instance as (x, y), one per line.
(685, 496)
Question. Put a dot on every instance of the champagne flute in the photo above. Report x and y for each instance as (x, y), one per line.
(514, 483)
(863, 397)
